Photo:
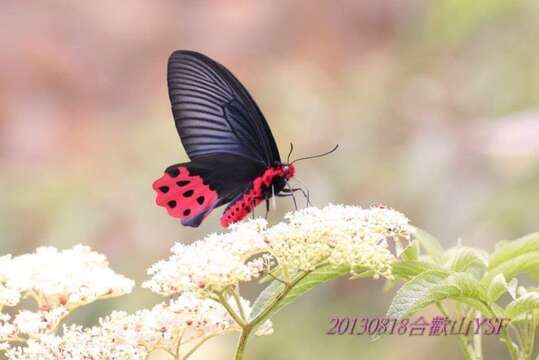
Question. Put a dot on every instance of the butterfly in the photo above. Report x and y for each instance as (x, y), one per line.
(234, 157)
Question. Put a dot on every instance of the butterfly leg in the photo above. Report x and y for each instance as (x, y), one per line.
(267, 209)
(306, 194)
(289, 192)
(289, 195)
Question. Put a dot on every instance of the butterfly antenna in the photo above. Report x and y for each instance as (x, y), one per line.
(317, 156)
(289, 153)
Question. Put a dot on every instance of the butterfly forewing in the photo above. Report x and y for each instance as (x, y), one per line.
(214, 113)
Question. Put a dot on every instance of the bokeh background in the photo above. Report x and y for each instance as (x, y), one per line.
(435, 105)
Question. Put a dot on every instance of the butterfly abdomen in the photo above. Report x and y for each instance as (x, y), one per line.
(258, 191)
(242, 207)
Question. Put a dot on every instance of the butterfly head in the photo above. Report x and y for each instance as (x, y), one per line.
(288, 170)
(279, 171)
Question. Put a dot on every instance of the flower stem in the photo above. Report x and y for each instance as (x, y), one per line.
(463, 342)
(242, 343)
(231, 311)
(287, 287)
(248, 328)
(531, 335)
(509, 344)
(178, 344)
(477, 344)
(236, 296)
(195, 348)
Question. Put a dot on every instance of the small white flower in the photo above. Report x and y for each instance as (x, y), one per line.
(9, 296)
(38, 322)
(7, 330)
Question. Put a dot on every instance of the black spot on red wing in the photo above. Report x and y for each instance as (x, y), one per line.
(188, 193)
(186, 212)
(164, 189)
(200, 200)
(171, 204)
(173, 172)
(183, 182)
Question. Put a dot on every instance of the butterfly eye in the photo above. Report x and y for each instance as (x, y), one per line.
(285, 170)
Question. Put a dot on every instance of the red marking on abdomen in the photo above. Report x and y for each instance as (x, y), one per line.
(249, 200)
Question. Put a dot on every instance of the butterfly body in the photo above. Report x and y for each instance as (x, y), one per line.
(185, 192)
(263, 187)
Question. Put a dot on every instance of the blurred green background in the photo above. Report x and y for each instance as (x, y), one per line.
(435, 105)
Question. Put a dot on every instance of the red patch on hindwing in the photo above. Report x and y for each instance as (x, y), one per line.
(185, 196)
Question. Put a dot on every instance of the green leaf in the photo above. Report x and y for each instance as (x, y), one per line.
(511, 249)
(411, 253)
(410, 269)
(512, 287)
(524, 263)
(525, 303)
(498, 311)
(429, 243)
(515, 257)
(462, 258)
(304, 283)
(265, 298)
(534, 275)
(434, 286)
(475, 303)
(496, 288)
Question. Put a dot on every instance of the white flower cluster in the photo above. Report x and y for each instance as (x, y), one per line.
(59, 282)
(68, 278)
(338, 235)
(204, 275)
(34, 323)
(176, 326)
(213, 264)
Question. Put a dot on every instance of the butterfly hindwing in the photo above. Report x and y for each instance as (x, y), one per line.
(190, 191)
(185, 195)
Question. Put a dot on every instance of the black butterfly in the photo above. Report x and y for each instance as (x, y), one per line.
(234, 158)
